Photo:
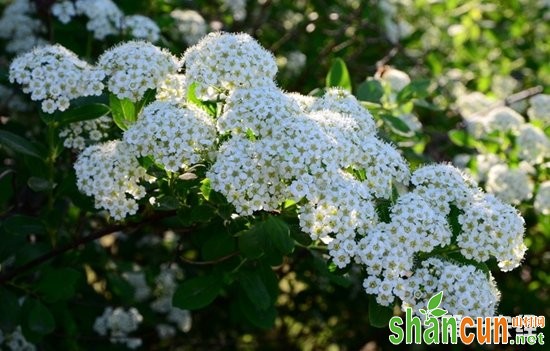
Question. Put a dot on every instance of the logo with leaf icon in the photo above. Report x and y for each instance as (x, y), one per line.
(433, 307)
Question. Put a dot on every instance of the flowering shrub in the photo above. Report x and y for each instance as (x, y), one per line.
(165, 199)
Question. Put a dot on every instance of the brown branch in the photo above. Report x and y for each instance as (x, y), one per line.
(132, 227)
(205, 263)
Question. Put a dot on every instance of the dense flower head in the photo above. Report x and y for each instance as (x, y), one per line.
(173, 88)
(502, 119)
(104, 17)
(442, 185)
(136, 66)
(337, 205)
(117, 324)
(511, 185)
(18, 26)
(542, 200)
(189, 26)
(257, 110)
(534, 145)
(54, 75)
(78, 135)
(304, 101)
(341, 101)
(539, 109)
(64, 11)
(224, 61)
(110, 173)
(177, 137)
(388, 251)
(492, 228)
(15, 341)
(247, 173)
(141, 27)
(468, 291)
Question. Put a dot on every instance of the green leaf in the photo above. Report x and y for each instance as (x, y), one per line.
(435, 300)
(9, 310)
(124, 111)
(205, 188)
(39, 319)
(251, 243)
(370, 90)
(379, 316)
(19, 144)
(338, 75)
(83, 113)
(460, 138)
(196, 293)
(279, 234)
(58, 284)
(417, 89)
(219, 245)
(253, 286)
(264, 319)
(23, 225)
(148, 97)
(438, 312)
(209, 107)
(397, 124)
(39, 184)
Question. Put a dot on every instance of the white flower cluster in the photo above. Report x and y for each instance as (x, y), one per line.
(137, 280)
(237, 8)
(15, 341)
(511, 185)
(80, 134)
(18, 26)
(64, 11)
(104, 17)
(502, 119)
(55, 75)
(110, 172)
(223, 62)
(189, 26)
(468, 291)
(542, 200)
(117, 324)
(177, 137)
(136, 66)
(534, 145)
(492, 228)
(165, 286)
(173, 88)
(141, 27)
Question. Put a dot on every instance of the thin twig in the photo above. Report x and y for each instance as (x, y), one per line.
(132, 227)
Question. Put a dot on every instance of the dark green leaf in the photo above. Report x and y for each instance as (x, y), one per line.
(379, 316)
(83, 113)
(254, 287)
(39, 319)
(371, 91)
(120, 287)
(251, 243)
(338, 75)
(397, 124)
(19, 144)
(23, 225)
(417, 89)
(196, 293)
(9, 310)
(219, 245)
(58, 284)
(124, 111)
(205, 188)
(261, 318)
(148, 97)
(279, 234)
